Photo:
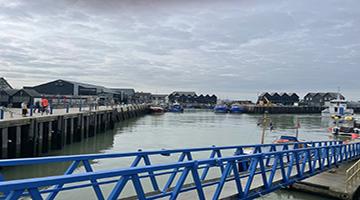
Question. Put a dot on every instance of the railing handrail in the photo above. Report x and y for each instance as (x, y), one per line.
(164, 152)
(350, 173)
(303, 161)
(64, 179)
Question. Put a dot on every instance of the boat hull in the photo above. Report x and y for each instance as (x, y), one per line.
(236, 110)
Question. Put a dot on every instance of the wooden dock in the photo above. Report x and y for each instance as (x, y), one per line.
(39, 134)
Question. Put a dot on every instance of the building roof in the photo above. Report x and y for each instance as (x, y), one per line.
(142, 94)
(159, 95)
(4, 84)
(32, 92)
(11, 92)
(184, 93)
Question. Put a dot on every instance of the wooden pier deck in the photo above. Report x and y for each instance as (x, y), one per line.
(39, 134)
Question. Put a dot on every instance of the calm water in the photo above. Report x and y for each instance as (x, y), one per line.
(189, 129)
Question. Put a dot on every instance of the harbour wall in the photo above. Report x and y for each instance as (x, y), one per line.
(288, 109)
(282, 109)
(38, 135)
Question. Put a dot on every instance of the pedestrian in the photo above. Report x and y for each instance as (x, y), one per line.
(24, 109)
(44, 105)
(37, 107)
(97, 100)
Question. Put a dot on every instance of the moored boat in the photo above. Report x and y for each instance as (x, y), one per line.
(156, 110)
(177, 108)
(221, 108)
(349, 129)
(236, 108)
(337, 108)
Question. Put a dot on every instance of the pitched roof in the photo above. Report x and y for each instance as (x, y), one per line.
(184, 93)
(4, 84)
(32, 92)
(11, 92)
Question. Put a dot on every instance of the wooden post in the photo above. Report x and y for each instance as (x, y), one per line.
(82, 125)
(87, 126)
(40, 138)
(4, 145)
(264, 128)
(18, 141)
(50, 134)
(71, 130)
(65, 131)
(95, 123)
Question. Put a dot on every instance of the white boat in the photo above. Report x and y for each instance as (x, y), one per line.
(337, 108)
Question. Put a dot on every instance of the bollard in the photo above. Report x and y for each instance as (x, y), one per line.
(80, 107)
(1, 113)
(51, 110)
(31, 111)
(67, 108)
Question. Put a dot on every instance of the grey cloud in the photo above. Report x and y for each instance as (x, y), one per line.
(233, 48)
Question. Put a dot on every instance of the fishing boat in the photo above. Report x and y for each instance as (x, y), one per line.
(337, 108)
(349, 129)
(236, 108)
(177, 108)
(221, 108)
(156, 110)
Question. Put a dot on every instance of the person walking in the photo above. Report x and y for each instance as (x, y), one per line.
(37, 107)
(24, 109)
(44, 105)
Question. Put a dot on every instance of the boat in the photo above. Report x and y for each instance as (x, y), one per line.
(236, 108)
(156, 110)
(177, 108)
(349, 129)
(221, 108)
(286, 139)
(337, 108)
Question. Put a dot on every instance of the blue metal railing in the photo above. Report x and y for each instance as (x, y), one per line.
(267, 168)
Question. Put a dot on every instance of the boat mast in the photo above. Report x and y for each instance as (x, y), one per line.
(264, 127)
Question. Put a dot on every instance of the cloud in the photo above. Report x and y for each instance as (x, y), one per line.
(232, 48)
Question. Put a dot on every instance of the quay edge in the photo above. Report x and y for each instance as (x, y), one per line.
(35, 136)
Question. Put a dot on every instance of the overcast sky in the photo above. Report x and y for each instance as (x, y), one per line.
(234, 48)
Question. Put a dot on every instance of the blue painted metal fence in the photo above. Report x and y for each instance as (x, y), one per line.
(263, 169)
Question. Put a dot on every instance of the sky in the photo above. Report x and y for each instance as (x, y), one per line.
(235, 49)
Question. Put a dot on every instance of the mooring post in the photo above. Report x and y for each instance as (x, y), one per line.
(4, 145)
(80, 106)
(18, 141)
(67, 108)
(51, 110)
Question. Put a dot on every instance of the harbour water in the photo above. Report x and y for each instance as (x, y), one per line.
(193, 128)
